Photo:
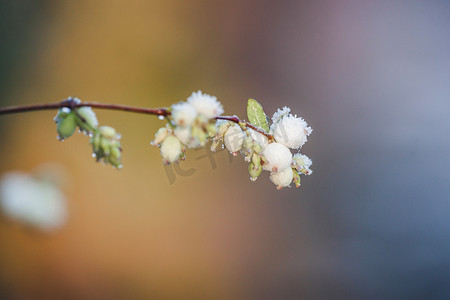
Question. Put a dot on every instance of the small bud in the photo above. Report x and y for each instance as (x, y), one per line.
(199, 135)
(254, 171)
(214, 145)
(61, 114)
(65, 124)
(222, 128)
(170, 149)
(256, 159)
(257, 148)
(87, 120)
(234, 138)
(211, 129)
(296, 178)
(248, 143)
(115, 151)
(107, 132)
(160, 135)
(106, 146)
(95, 141)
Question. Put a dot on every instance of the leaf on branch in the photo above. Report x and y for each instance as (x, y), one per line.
(256, 115)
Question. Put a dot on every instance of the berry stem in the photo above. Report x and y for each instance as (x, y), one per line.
(237, 120)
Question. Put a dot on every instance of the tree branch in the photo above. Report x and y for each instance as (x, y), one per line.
(72, 104)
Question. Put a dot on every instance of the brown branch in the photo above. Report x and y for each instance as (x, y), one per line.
(72, 103)
(247, 124)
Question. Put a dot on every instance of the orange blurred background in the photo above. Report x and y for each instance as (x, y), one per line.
(355, 70)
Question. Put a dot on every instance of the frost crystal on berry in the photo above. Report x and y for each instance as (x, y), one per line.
(283, 178)
(183, 113)
(280, 113)
(205, 104)
(277, 157)
(291, 131)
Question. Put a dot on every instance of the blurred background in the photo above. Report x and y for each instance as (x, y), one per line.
(372, 78)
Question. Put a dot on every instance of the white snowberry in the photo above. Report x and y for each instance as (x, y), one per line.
(183, 113)
(170, 149)
(291, 131)
(234, 138)
(205, 104)
(36, 202)
(277, 157)
(283, 178)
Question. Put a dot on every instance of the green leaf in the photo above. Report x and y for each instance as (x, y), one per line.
(256, 115)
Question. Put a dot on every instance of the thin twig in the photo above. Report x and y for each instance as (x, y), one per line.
(72, 103)
(247, 124)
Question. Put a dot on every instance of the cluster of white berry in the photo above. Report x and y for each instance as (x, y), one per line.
(271, 152)
(192, 123)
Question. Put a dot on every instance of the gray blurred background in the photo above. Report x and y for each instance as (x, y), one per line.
(372, 78)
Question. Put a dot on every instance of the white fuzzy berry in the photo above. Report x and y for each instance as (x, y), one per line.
(291, 131)
(183, 113)
(280, 113)
(259, 138)
(35, 202)
(170, 149)
(282, 178)
(277, 157)
(205, 104)
(234, 138)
